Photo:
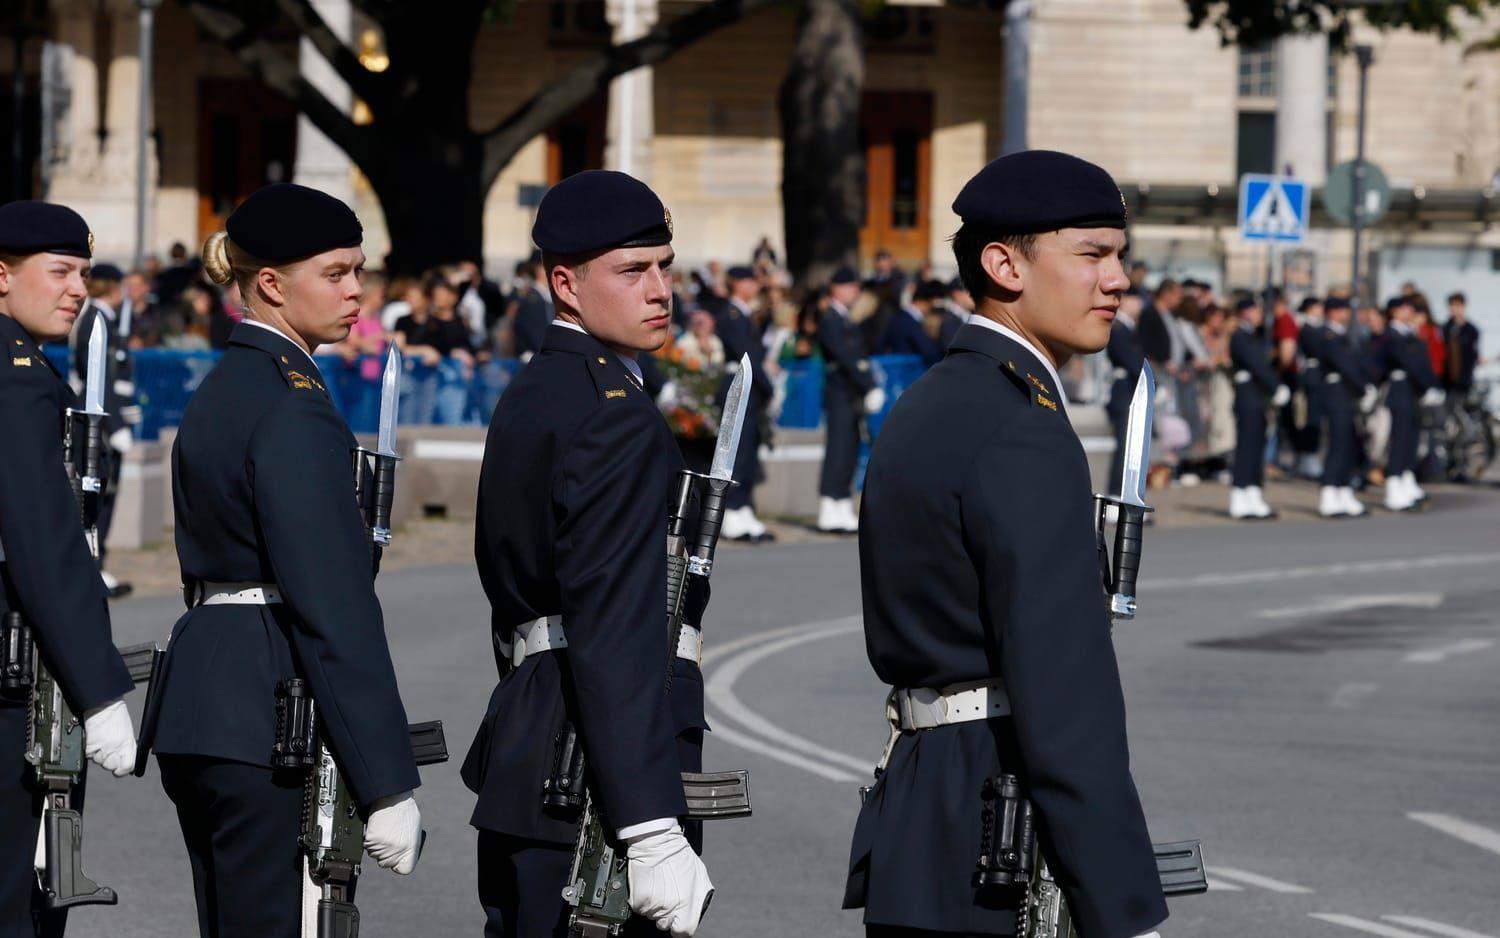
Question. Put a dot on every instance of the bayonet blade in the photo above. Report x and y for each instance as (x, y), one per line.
(1138, 439)
(736, 403)
(390, 403)
(93, 387)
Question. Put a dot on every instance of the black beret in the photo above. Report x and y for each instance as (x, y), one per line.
(845, 275)
(1308, 303)
(1336, 302)
(1041, 190)
(1397, 301)
(930, 290)
(42, 227)
(1245, 303)
(599, 210)
(956, 285)
(740, 272)
(287, 222)
(106, 272)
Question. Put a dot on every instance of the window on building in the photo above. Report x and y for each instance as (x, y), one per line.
(1256, 151)
(1257, 76)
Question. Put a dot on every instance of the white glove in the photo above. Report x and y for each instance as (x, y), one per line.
(667, 396)
(1368, 401)
(122, 440)
(875, 400)
(109, 739)
(1282, 396)
(1434, 397)
(393, 834)
(668, 882)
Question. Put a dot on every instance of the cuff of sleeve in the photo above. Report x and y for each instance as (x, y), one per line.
(644, 828)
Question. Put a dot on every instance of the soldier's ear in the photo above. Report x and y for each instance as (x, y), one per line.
(1002, 264)
(268, 284)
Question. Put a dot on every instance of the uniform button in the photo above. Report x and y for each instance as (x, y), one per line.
(284, 361)
(601, 360)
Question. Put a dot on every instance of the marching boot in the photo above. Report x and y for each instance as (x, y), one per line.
(830, 515)
(758, 530)
(736, 526)
(1417, 493)
(1353, 507)
(849, 515)
(1239, 508)
(1331, 503)
(1258, 502)
(1396, 496)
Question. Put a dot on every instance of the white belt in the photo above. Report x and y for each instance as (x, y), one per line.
(238, 594)
(1333, 377)
(546, 634)
(1242, 377)
(923, 708)
(1398, 375)
(1311, 362)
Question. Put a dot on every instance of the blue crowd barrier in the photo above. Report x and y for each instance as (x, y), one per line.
(445, 394)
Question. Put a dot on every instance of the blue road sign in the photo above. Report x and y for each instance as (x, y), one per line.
(1273, 208)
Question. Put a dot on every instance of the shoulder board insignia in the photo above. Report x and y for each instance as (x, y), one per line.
(1046, 401)
(21, 361)
(1040, 385)
(299, 380)
(1011, 365)
(613, 393)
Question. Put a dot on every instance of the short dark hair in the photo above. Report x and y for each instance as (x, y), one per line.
(579, 264)
(1458, 298)
(1166, 286)
(968, 246)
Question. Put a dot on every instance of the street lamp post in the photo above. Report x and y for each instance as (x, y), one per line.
(143, 125)
(1365, 56)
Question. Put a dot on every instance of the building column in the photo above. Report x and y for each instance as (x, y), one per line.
(632, 96)
(97, 178)
(1016, 93)
(320, 163)
(1302, 107)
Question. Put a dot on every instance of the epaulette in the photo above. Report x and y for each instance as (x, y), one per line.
(611, 385)
(22, 356)
(297, 378)
(1034, 388)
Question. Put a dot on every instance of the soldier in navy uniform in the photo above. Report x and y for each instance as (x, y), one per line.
(983, 602)
(533, 310)
(569, 541)
(1345, 383)
(47, 576)
(736, 329)
(1308, 377)
(1255, 383)
(850, 392)
(107, 292)
(276, 569)
(1406, 368)
(905, 331)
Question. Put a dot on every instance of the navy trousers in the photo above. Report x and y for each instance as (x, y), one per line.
(21, 914)
(1249, 439)
(240, 824)
(1404, 430)
(1338, 416)
(841, 446)
(746, 464)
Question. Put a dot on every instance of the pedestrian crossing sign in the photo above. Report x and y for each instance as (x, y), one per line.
(1273, 208)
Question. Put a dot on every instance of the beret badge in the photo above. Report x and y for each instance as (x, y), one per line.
(91, 242)
(666, 217)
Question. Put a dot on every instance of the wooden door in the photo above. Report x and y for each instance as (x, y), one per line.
(247, 138)
(576, 142)
(897, 130)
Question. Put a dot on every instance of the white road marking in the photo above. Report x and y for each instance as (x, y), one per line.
(1351, 694)
(720, 689)
(1468, 832)
(1451, 931)
(1283, 574)
(1435, 655)
(1352, 603)
(1220, 885)
(1247, 878)
(1359, 924)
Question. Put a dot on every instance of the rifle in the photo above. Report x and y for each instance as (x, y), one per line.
(333, 831)
(598, 888)
(54, 734)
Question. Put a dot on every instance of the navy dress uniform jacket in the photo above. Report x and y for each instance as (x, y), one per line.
(1254, 383)
(738, 333)
(1344, 381)
(573, 501)
(1126, 357)
(263, 489)
(904, 335)
(846, 379)
(1403, 363)
(978, 560)
(48, 576)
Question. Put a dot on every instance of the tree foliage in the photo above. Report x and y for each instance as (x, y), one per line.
(1255, 22)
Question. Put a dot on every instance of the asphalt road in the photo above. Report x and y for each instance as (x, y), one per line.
(1316, 701)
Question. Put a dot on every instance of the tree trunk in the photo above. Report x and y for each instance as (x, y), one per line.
(431, 192)
(823, 168)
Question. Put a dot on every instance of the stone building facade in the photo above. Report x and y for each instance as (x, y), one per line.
(1171, 113)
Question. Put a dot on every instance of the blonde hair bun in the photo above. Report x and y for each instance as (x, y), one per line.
(216, 258)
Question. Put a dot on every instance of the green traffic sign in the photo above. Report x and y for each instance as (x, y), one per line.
(1338, 193)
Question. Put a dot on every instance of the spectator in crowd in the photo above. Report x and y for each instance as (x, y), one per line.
(179, 274)
(1126, 356)
(226, 311)
(191, 323)
(533, 308)
(366, 342)
(700, 341)
(438, 339)
(145, 314)
(1430, 333)
(905, 332)
(1156, 337)
(1461, 340)
(1139, 270)
(763, 254)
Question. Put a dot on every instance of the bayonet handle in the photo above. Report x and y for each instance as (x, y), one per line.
(709, 523)
(1127, 560)
(385, 497)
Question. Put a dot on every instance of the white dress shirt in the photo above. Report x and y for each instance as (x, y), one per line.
(1014, 336)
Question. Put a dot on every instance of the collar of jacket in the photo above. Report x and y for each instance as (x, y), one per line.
(1010, 354)
(290, 357)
